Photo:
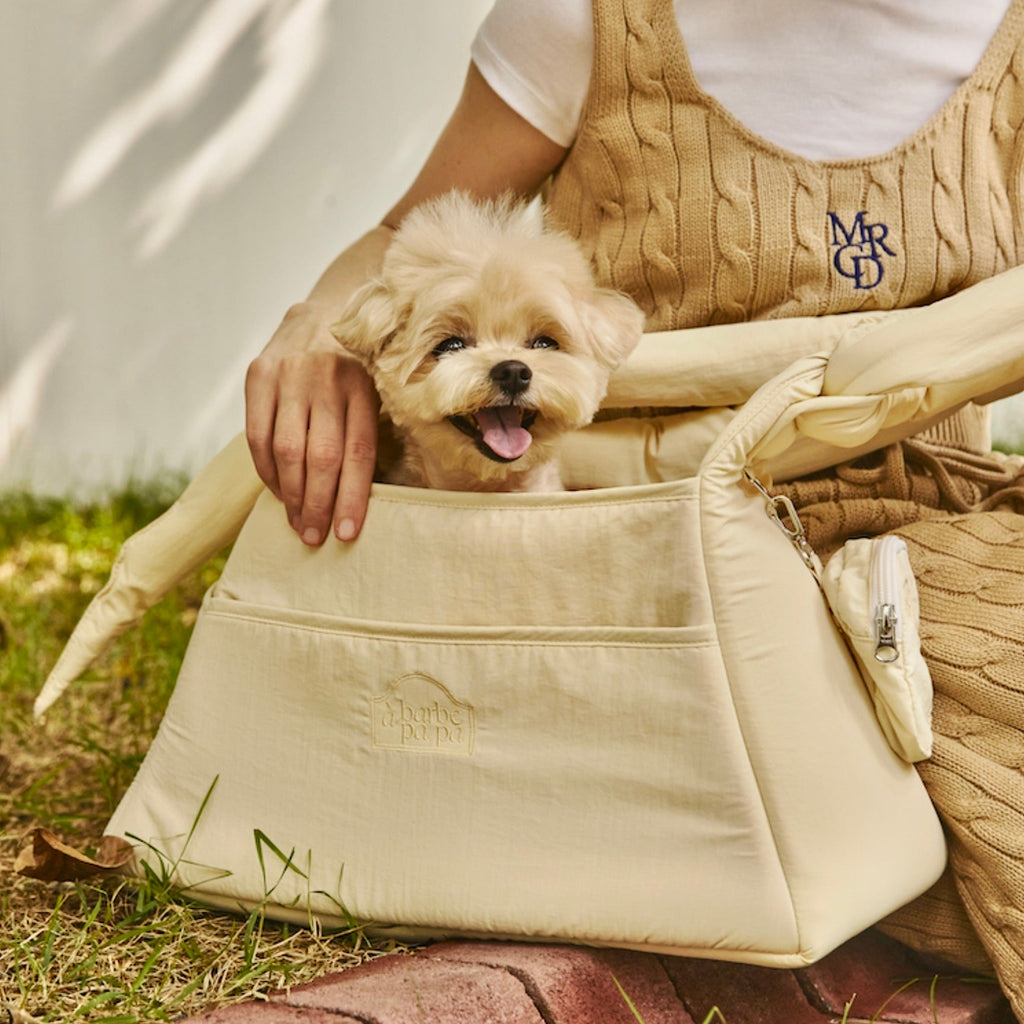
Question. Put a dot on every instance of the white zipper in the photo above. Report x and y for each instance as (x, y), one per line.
(884, 594)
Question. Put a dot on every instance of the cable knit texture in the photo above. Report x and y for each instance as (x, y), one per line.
(970, 574)
(702, 221)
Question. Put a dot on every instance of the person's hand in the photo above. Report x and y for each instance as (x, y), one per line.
(311, 422)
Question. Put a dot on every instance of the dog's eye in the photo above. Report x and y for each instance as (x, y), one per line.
(543, 342)
(452, 344)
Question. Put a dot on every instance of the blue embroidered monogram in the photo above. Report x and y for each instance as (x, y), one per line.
(859, 250)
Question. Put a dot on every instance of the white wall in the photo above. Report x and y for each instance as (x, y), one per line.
(174, 174)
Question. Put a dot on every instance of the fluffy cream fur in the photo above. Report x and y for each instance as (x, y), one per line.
(480, 326)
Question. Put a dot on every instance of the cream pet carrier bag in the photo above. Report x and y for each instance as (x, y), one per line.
(620, 715)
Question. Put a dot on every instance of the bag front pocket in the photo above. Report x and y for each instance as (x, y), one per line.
(577, 782)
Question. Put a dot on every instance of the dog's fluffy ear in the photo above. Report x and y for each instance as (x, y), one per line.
(615, 324)
(368, 322)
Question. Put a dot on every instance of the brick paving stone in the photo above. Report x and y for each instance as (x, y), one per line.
(744, 994)
(475, 982)
(876, 968)
(648, 986)
(415, 989)
(577, 985)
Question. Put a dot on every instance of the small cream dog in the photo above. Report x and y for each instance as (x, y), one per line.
(487, 339)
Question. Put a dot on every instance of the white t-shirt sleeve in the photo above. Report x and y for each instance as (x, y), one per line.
(536, 55)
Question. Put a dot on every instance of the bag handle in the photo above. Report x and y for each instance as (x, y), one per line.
(889, 375)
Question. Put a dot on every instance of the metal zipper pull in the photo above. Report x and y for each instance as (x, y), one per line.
(886, 621)
(884, 592)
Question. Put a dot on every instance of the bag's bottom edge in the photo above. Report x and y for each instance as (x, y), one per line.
(422, 935)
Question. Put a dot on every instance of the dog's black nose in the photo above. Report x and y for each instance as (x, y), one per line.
(512, 376)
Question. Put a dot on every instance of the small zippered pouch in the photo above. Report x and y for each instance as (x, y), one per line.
(870, 586)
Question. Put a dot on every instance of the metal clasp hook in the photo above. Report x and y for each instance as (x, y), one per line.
(779, 509)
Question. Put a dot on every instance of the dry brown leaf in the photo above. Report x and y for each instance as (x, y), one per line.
(12, 1015)
(45, 857)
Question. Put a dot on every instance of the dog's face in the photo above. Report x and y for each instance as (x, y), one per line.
(487, 337)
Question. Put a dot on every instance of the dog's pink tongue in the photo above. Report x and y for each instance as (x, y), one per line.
(502, 431)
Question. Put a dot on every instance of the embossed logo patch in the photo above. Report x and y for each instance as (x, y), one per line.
(417, 714)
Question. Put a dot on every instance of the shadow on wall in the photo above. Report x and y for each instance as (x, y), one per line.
(187, 176)
(291, 39)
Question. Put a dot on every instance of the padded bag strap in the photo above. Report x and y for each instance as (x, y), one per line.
(888, 376)
(878, 377)
(896, 374)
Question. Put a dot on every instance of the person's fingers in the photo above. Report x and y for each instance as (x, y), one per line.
(323, 467)
(309, 409)
(360, 459)
(289, 448)
(260, 416)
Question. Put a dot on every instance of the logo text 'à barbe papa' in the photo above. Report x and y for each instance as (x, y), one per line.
(418, 714)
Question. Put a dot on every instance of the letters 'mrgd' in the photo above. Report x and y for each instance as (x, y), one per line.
(859, 250)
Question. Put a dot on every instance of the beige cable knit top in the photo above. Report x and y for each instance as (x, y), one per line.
(702, 221)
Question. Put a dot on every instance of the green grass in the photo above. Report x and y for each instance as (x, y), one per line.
(108, 951)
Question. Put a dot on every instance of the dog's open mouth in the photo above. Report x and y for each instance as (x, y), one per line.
(501, 432)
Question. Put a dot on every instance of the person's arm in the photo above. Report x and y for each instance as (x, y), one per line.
(311, 410)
